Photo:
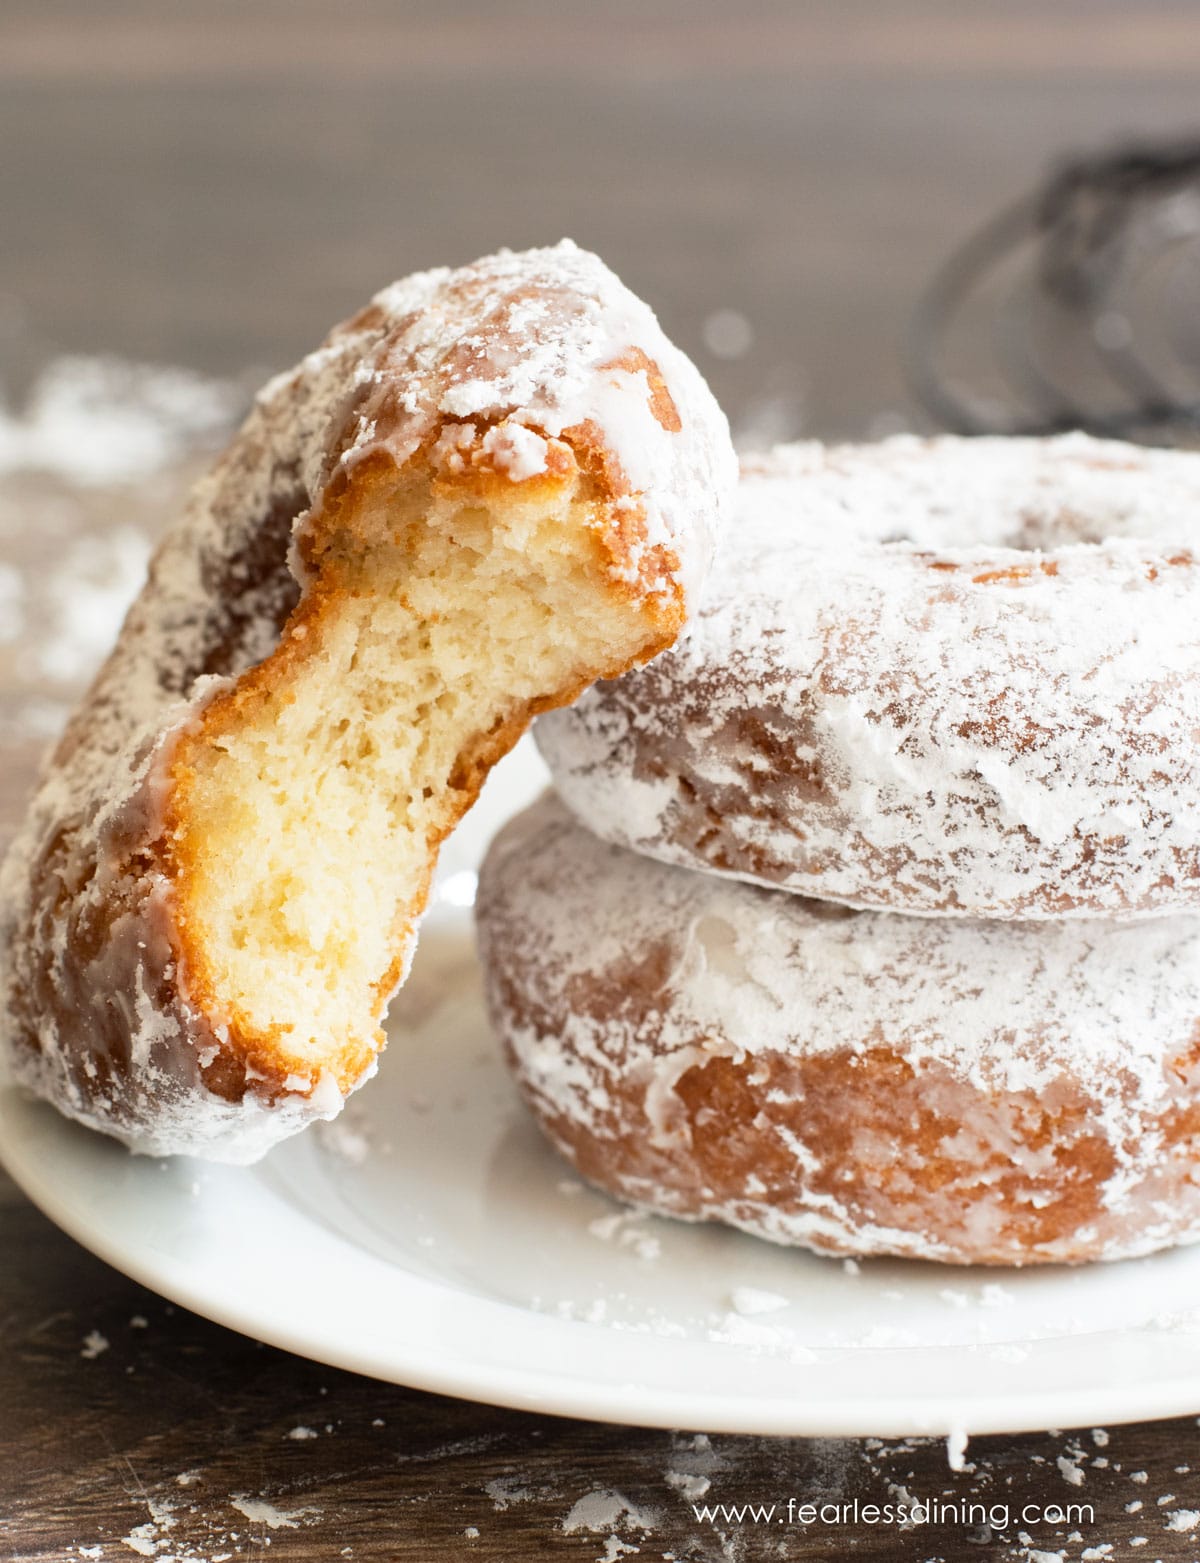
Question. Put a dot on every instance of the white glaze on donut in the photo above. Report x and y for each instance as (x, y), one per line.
(948, 676)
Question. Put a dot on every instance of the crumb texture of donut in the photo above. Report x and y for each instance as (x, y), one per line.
(950, 677)
(490, 487)
(850, 1082)
(308, 794)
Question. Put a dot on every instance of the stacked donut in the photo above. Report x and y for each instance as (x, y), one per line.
(864, 917)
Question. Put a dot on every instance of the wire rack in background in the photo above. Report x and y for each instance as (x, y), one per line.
(1076, 308)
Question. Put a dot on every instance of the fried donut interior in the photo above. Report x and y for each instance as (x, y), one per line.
(307, 801)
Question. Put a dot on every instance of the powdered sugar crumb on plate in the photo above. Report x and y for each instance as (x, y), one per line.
(627, 1228)
(752, 1300)
(346, 1136)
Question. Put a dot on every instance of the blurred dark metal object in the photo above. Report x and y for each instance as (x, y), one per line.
(1088, 292)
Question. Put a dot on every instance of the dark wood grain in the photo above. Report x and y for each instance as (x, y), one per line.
(212, 184)
(94, 1448)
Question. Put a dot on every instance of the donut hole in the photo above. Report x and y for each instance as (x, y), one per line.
(1023, 496)
(1043, 531)
(310, 798)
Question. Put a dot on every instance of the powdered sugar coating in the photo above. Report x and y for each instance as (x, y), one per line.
(516, 349)
(949, 676)
(552, 343)
(854, 1082)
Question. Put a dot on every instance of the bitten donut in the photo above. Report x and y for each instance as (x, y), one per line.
(951, 676)
(490, 486)
(853, 1082)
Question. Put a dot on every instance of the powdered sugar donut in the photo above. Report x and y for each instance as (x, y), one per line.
(853, 1082)
(490, 486)
(949, 676)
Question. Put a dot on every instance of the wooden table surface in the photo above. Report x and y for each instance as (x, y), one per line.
(210, 185)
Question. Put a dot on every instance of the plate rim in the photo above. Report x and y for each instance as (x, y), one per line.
(526, 1387)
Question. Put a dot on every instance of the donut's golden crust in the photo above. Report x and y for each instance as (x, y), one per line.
(675, 1072)
(488, 488)
(732, 1124)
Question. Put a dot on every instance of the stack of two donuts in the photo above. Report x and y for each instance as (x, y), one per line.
(864, 919)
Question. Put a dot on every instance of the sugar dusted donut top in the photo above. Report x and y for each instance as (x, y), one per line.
(947, 676)
(542, 344)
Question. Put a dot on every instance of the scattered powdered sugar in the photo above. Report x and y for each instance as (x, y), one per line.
(605, 1509)
(1183, 1519)
(507, 1490)
(93, 585)
(615, 1549)
(176, 1532)
(89, 475)
(736, 1330)
(751, 1300)
(94, 1344)
(714, 1485)
(687, 1484)
(300, 1434)
(347, 1137)
(148, 1539)
(104, 420)
(627, 1228)
(260, 1512)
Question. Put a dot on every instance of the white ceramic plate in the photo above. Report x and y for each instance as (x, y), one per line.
(431, 1238)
